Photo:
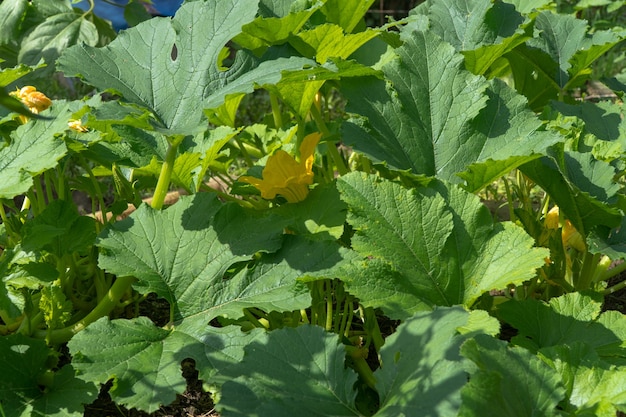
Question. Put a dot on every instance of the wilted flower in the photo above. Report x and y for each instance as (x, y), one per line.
(36, 101)
(285, 176)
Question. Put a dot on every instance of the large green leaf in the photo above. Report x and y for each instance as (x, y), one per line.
(435, 118)
(430, 246)
(291, 372)
(59, 229)
(174, 71)
(329, 41)
(422, 358)
(265, 31)
(11, 15)
(565, 320)
(593, 387)
(320, 216)
(346, 13)
(508, 382)
(181, 253)
(484, 31)
(21, 395)
(55, 35)
(34, 148)
(144, 360)
(510, 134)
(558, 57)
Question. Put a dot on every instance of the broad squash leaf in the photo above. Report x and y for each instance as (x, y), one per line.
(144, 360)
(435, 118)
(508, 382)
(56, 34)
(175, 71)
(558, 57)
(594, 388)
(21, 395)
(422, 358)
(580, 185)
(182, 254)
(570, 318)
(290, 372)
(484, 31)
(430, 246)
(34, 148)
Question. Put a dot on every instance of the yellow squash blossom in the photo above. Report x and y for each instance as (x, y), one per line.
(77, 125)
(552, 218)
(569, 235)
(36, 101)
(285, 176)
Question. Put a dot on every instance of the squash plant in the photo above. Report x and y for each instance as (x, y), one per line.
(303, 232)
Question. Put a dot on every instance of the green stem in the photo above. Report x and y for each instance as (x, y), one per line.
(329, 306)
(346, 319)
(332, 148)
(3, 214)
(358, 356)
(509, 199)
(587, 272)
(163, 184)
(99, 196)
(614, 288)
(255, 322)
(104, 307)
(244, 152)
(41, 201)
(610, 273)
(48, 182)
(276, 113)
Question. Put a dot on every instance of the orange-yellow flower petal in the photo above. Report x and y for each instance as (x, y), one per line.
(36, 101)
(283, 175)
(77, 125)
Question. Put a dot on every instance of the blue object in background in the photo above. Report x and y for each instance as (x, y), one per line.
(115, 14)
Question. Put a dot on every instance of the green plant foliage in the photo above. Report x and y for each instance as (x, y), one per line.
(291, 371)
(499, 384)
(593, 387)
(25, 363)
(438, 118)
(138, 344)
(34, 148)
(182, 272)
(438, 246)
(435, 377)
(440, 178)
(567, 319)
(190, 69)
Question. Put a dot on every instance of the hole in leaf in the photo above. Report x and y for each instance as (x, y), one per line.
(226, 57)
(174, 53)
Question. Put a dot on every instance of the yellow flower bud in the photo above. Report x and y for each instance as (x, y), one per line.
(571, 237)
(552, 218)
